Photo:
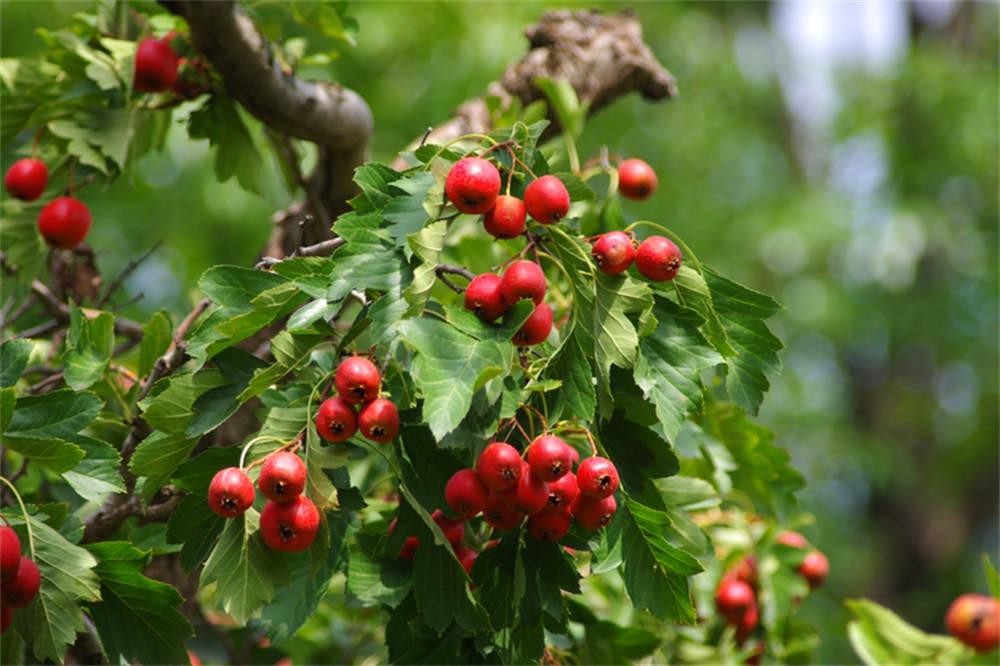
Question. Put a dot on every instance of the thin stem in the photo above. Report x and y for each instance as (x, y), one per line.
(545, 423)
(246, 447)
(126, 272)
(464, 137)
(27, 520)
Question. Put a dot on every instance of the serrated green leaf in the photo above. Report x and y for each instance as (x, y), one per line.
(577, 189)
(373, 179)
(194, 524)
(137, 618)
(8, 402)
(14, 355)
(571, 365)
(426, 245)
(97, 474)
(290, 351)
(371, 581)
(41, 425)
(157, 457)
(170, 406)
(194, 475)
(157, 335)
(369, 259)
(640, 455)
(879, 636)
(693, 293)
(311, 275)
(219, 121)
(235, 287)
(405, 213)
(91, 343)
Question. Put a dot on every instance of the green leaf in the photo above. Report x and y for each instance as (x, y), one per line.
(640, 456)
(562, 97)
(669, 365)
(373, 179)
(369, 259)
(8, 402)
(655, 571)
(235, 287)
(578, 190)
(97, 474)
(571, 365)
(219, 121)
(245, 570)
(426, 245)
(41, 425)
(879, 636)
(96, 135)
(14, 355)
(158, 456)
(157, 335)
(194, 475)
(137, 618)
(90, 345)
(170, 406)
(194, 524)
(693, 293)
(448, 368)
(50, 622)
(290, 351)
(372, 581)
(406, 213)
(991, 576)
(19, 237)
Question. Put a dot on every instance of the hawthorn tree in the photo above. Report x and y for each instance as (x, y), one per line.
(357, 377)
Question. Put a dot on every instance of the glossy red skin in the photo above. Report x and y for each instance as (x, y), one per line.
(733, 598)
(499, 516)
(64, 222)
(549, 525)
(974, 619)
(546, 199)
(467, 557)
(613, 252)
(230, 493)
(379, 420)
(409, 549)
(658, 259)
(562, 493)
(636, 179)
(529, 496)
(549, 458)
(282, 477)
(483, 298)
(593, 514)
(473, 185)
(814, 569)
(453, 530)
(155, 65)
(746, 571)
(507, 217)
(10, 552)
(466, 493)
(499, 466)
(357, 380)
(597, 477)
(6, 617)
(792, 539)
(22, 588)
(26, 179)
(336, 419)
(290, 527)
(536, 328)
(522, 279)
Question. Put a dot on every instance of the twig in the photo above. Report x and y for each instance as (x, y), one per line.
(135, 299)
(19, 312)
(19, 472)
(126, 272)
(41, 386)
(122, 326)
(448, 283)
(176, 354)
(8, 268)
(40, 330)
(456, 270)
(321, 249)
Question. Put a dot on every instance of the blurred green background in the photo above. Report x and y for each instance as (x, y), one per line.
(841, 157)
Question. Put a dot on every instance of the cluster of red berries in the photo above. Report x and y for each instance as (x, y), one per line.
(974, 619)
(490, 296)
(289, 520)
(19, 575)
(358, 383)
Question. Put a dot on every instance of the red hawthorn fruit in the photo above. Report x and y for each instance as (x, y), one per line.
(10, 552)
(410, 545)
(482, 297)
(733, 598)
(613, 252)
(379, 420)
(290, 527)
(336, 419)
(814, 569)
(499, 516)
(282, 477)
(562, 492)
(466, 493)
(546, 199)
(22, 588)
(529, 496)
(26, 179)
(499, 466)
(974, 619)
(536, 328)
(658, 258)
(357, 380)
(506, 218)
(64, 222)
(231, 492)
(746, 571)
(155, 65)
(636, 179)
(549, 525)
(792, 539)
(522, 279)
(593, 514)
(473, 185)
(453, 530)
(548, 457)
(597, 477)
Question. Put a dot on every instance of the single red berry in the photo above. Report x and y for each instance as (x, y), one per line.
(562, 492)
(522, 279)
(549, 525)
(466, 493)
(473, 185)
(10, 552)
(467, 557)
(593, 514)
(482, 297)
(64, 222)
(529, 496)
(548, 457)
(546, 199)
(155, 65)
(336, 419)
(636, 179)
(506, 218)
(499, 516)
(814, 569)
(6, 617)
(379, 420)
(499, 466)
(733, 598)
(22, 588)
(282, 477)
(613, 252)
(747, 623)
(357, 380)
(597, 477)
(231, 492)
(535, 328)
(658, 259)
(410, 545)
(974, 619)
(792, 539)
(26, 179)
(289, 527)
(453, 530)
